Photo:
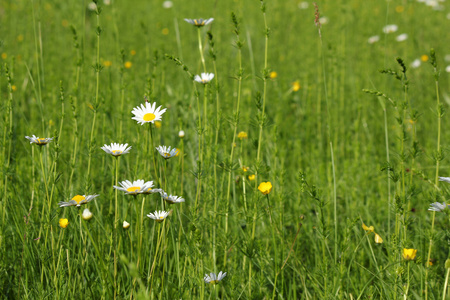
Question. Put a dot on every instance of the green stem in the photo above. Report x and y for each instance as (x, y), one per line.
(116, 221)
(200, 48)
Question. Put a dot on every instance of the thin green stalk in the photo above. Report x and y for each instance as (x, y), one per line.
(444, 292)
(200, 48)
(38, 54)
(7, 131)
(116, 221)
(438, 159)
(261, 122)
(235, 123)
(98, 69)
(407, 285)
(150, 275)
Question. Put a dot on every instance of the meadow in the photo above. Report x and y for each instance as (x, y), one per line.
(308, 159)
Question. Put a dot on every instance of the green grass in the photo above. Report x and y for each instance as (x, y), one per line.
(325, 149)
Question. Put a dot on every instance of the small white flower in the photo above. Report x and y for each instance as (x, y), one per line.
(86, 215)
(78, 200)
(167, 4)
(204, 78)
(126, 225)
(212, 278)
(446, 179)
(402, 37)
(390, 28)
(416, 63)
(116, 149)
(147, 113)
(167, 152)
(181, 134)
(447, 69)
(303, 5)
(436, 206)
(171, 199)
(373, 39)
(135, 187)
(199, 22)
(39, 141)
(431, 3)
(92, 6)
(323, 20)
(158, 216)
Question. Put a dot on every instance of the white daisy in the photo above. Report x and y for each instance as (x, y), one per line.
(151, 191)
(402, 37)
(212, 278)
(147, 113)
(167, 152)
(199, 22)
(204, 78)
(416, 63)
(171, 199)
(158, 216)
(373, 39)
(39, 141)
(446, 179)
(135, 187)
(436, 206)
(390, 28)
(116, 149)
(86, 215)
(78, 200)
(323, 20)
(92, 6)
(303, 5)
(167, 4)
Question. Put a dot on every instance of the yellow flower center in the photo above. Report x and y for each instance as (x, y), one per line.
(133, 189)
(214, 281)
(166, 154)
(78, 198)
(149, 117)
(161, 217)
(40, 141)
(117, 152)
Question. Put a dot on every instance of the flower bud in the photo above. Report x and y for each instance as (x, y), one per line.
(126, 225)
(86, 215)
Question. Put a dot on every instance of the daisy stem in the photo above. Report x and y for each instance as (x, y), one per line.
(165, 178)
(116, 221)
(200, 48)
(205, 110)
(150, 276)
(43, 178)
